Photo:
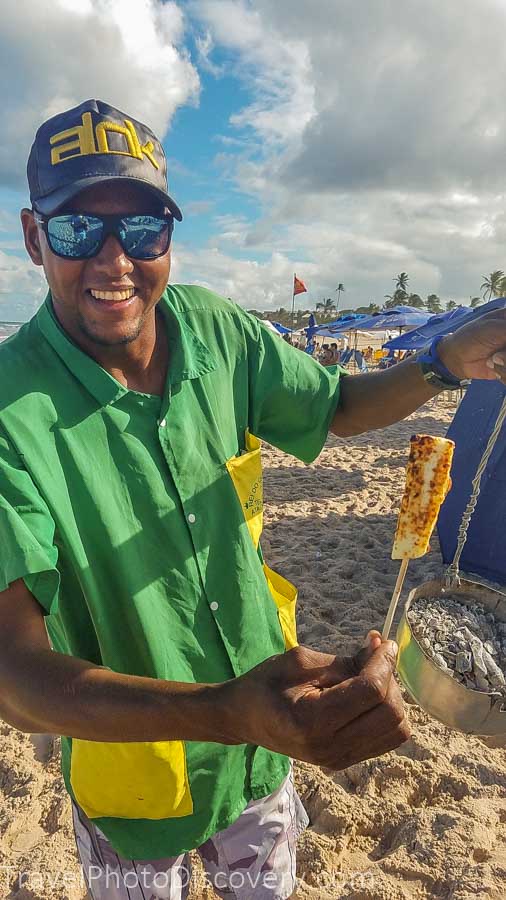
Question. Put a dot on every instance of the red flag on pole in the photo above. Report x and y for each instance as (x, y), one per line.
(298, 286)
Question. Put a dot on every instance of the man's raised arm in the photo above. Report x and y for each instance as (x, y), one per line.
(378, 399)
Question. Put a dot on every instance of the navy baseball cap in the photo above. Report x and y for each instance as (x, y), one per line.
(92, 144)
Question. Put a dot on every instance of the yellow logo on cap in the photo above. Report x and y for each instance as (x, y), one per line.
(84, 140)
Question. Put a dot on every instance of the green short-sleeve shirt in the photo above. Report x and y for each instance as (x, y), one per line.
(118, 510)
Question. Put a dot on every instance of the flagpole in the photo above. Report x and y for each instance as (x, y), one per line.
(293, 303)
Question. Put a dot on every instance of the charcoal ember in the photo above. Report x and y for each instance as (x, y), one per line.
(467, 643)
(440, 661)
(477, 654)
(464, 662)
(493, 671)
(482, 683)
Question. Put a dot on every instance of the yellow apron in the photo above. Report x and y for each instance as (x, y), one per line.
(246, 473)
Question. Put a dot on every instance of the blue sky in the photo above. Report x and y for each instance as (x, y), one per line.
(330, 138)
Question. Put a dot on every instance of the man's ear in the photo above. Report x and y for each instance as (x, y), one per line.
(32, 236)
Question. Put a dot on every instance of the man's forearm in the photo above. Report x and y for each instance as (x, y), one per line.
(377, 399)
(44, 691)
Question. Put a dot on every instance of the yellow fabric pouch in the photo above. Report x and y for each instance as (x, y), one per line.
(131, 781)
(284, 594)
(246, 474)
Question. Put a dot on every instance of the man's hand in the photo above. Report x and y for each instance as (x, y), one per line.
(322, 709)
(477, 350)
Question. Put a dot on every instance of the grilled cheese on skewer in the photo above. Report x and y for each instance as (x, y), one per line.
(427, 484)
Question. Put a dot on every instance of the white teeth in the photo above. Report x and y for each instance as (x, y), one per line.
(113, 296)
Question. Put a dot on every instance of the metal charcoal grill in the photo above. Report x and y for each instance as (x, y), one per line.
(453, 704)
(472, 712)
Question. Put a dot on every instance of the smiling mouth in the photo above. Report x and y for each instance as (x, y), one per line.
(113, 296)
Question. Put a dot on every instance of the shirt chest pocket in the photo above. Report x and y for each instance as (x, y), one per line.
(246, 473)
(132, 780)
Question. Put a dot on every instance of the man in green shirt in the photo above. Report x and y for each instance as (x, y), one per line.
(139, 619)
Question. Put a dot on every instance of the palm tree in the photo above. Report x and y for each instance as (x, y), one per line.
(401, 281)
(398, 298)
(434, 304)
(416, 301)
(339, 289)
(327, 306)
(492, 284)
(475, 301)
(450, 305)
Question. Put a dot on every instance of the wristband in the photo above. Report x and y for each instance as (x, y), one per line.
(433, 369)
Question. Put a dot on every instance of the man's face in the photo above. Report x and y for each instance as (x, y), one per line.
(91, 320)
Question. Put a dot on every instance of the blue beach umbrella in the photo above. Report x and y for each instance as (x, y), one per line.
(443, 323)
(403, 317)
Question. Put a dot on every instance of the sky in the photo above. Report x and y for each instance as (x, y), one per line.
(343, 141)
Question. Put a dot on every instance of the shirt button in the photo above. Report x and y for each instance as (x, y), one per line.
(214, 606)
(162, 423)
(191, 518)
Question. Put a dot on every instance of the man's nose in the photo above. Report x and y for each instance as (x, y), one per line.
(112, 258)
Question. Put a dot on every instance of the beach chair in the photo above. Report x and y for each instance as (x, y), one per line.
(360, 361)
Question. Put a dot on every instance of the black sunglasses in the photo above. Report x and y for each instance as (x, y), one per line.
(82, 235)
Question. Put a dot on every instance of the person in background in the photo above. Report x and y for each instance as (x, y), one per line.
(334, 354)
(325, 355)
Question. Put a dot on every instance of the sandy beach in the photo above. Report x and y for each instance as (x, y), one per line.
(428, 820)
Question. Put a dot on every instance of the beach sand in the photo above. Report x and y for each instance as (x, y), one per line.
(428, 820)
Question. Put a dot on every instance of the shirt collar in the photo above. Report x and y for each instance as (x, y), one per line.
(188, 356)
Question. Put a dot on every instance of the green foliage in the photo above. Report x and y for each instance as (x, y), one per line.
(326, 306)
(492, 284)
(398, 298)
(401, 282)
(434, 304)
(416, 301)
(368, 310)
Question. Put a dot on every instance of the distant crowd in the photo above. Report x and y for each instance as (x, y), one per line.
(338, 353)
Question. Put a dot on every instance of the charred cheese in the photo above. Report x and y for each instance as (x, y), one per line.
(427, 484)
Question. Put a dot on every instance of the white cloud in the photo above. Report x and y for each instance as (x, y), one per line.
(277, 68)
(252, 284)
(205, 47)
(22, 287)
(198, 207)
(377, 138)
(56, 53)
(372, 141)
